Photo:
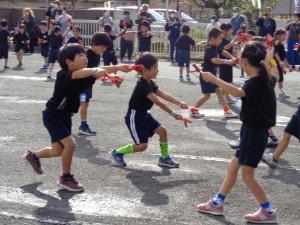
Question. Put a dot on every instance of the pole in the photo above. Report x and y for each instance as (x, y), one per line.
(139, 6)
(167, 9)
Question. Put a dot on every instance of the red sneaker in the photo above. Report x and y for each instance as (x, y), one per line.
(69, 183)
(34, 162)
(210, 208)
(261, 216)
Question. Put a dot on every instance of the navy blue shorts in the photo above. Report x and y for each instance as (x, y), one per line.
(184, 58)
(293, 126)
(58, 125)
(252, 146)
(45, 51)
(86, 95)
(226, 73)
(53, 55)
(207, 87)
(19, 47)
(4, 51)
(141, 125)
(110, 58)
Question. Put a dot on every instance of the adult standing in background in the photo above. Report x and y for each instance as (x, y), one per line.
(144, 15)
(127, 39)
(213, 23)
(266, 24)
(53, 12)
(293, 38)
(29, 21)
(64, 20)
(238, 21)
(106, 19)
(173, 26)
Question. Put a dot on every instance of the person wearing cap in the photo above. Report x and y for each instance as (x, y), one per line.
(266, 24)
(237, 20)
(213, 23)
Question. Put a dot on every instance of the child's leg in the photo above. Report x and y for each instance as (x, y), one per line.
(280, 85)
(67, 154)
(21, 56)
(51, 67)
(284, 142)
(5, 62)
(48, 152)
(83, 110)
(180, 71)
(221, 98)
(46, 60)
(202, 100)
(163, 139)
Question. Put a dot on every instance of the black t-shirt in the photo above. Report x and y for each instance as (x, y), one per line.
(21, 39)
(93, 61)
(4, 37)
(259, 104)
(55, 41)
(139, 100)
(77, 40)
(43, 37)
(184, 42)
(145, 41)
(210, 53)
(280, 50)
(225, 42)
(65, 97)
(111, 47)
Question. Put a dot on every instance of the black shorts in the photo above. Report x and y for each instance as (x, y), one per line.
(141, 125)
(58, 125)
(207, 87)
(183, 58)
(4, 48)
(86, 95)
(53, 55)
(226, 73)
(45, 51)
(110, 57)
(19, 47)
(293, 126)
(252, 145)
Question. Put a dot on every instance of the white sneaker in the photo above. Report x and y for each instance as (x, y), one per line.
(230, 114)
(268, 159)
(282, 94)
(230, 100)
(196, 115)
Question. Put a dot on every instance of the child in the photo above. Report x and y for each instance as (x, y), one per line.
(140, 122)
(55, 43)
(21, 40)
(292, 129)
(57, 116)
(109, 56)
(281, 60)
(100, 42)
(144, 36)
(43, 41)
(4, 42)
(76, 36)
(183, 46)
(211, 62)
(258, 115)
(226, 71)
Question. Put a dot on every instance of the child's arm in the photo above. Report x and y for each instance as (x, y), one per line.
(231, 44)
(166, 96)
(88, 72)
(228, 88)
(163, 106)
(115, 68)
(219, 61)
(277, 57)
(227, 55)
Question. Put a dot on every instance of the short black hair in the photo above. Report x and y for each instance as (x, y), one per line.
(185, 29)
(22, 26)
(147, 60)
(214, 33)
(297, 14)
(44, 23)
(101, 39)
(280, 32)
(56, 29)
(145, 23)
(4, 23)
(77, 28)
(107, 28)
(126, 13)
(226, 26)
(251, 32)
(69, 51)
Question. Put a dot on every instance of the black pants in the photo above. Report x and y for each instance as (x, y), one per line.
(109, 57)
(126, 46)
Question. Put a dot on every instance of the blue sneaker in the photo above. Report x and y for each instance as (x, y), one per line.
(44, 67)
(168, 162)
(119, 158)
(84, 129)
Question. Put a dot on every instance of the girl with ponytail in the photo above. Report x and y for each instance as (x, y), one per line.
(258, 114)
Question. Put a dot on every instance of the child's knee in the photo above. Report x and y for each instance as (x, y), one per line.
(247, 176)
(140, 147)
(162, 132)
(206, 96)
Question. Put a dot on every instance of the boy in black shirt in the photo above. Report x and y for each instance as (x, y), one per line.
(4, 42)
(21, 40)
(76, 36)
(57, 116)
(43, 41)
(100, 42)
(183, 45)
(109, 56)
(140, 122)
(144, 36)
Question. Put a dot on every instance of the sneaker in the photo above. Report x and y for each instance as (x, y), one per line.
(49, 77)
(69, 183)
(119, 158)
(230, 100)
(188, 78)
(44, 67)
(34, 162)
(20, 64)
(196, 115)
(268, 158)
(272, 142)
(283, 95)
(261, 216)
(85, 130)
(180, 77)
(230, 114)
(234, 144)
(168, 162)
(6, 67)
(210, 208)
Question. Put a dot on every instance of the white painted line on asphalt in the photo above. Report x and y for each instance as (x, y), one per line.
(15, 99)
(18, 77)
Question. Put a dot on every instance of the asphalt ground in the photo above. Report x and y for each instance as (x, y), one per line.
(143, 193)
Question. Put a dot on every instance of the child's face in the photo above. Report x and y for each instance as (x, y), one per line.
(152, 72)
(216, 41)
(21, 30)
(43, 27)
(80, 61)
(76, 32)
(282, 37)
(98, 49)
(144, 28)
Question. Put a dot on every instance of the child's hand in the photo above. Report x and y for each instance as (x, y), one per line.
(182, 105)
(100, 73)
(178, 117)
(208, 77)
(123, 67)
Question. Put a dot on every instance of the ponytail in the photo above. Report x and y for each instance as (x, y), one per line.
(263, 72)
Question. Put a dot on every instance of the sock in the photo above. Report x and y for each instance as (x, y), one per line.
(218, 199)
(268, 207)
(66, 175)
(226, 108)
(125, 149)
(83, 122)
(164, 150)
(34, 156)
(274, 138)
(5, 62)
